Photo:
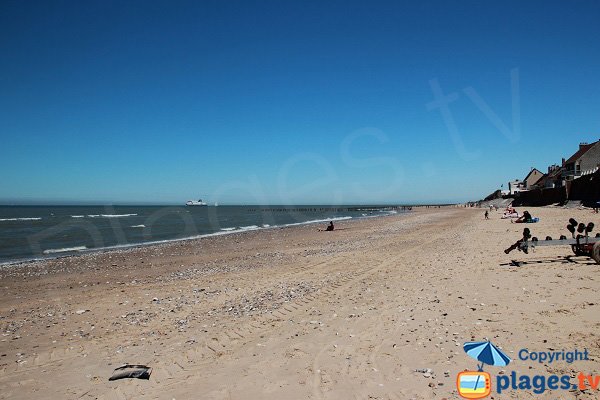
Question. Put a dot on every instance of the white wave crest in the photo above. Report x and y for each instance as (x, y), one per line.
(314, 221)
(117, 215)
(64, 250)
(138, 226)
(249, 227)
(21, 219)
(77, 216)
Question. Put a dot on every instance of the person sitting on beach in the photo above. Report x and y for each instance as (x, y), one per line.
(525, 218)
(330, 226)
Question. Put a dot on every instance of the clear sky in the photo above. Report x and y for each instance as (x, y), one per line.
(290, 102)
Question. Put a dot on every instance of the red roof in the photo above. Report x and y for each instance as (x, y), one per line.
(583, 148)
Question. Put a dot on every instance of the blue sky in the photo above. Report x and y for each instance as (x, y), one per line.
(290, 102)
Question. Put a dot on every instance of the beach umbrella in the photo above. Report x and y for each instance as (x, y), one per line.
(486, 353)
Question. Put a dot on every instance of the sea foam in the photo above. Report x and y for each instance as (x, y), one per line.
(64, 250)
(314, 221)
(249, 227)
(21, 219)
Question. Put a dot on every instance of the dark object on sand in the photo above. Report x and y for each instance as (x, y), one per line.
(131, 371)
(330, 226)
(581, 243)
(589, 227)
(521, 244)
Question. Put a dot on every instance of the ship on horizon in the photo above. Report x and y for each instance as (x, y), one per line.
(199, 202)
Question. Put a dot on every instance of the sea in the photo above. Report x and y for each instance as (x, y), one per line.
(38, 232)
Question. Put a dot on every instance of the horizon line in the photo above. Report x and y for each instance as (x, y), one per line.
(126, 204)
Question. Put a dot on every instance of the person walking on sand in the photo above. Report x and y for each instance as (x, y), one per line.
(486, 215)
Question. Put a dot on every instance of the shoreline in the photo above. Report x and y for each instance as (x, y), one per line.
(223, 232)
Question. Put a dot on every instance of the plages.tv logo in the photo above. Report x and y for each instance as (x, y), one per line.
(478, 384)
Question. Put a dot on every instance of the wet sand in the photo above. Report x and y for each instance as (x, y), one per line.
(298, 314)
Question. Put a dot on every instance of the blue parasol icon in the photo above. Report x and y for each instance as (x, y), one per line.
(486, 353)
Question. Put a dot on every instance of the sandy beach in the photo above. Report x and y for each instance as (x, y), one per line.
(376, 310)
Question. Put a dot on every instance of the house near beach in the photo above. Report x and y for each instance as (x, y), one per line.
(553, 178)
(528, 183)
(577, 178)
(584, 161)
(515, 186)
(532, 178)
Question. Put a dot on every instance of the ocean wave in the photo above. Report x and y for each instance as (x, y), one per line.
(138, 226)
(315, 221)
(243, 228)
(380, 213)
(21, 219)
(104, 215)
(249, 227)
(64, 250)
(224, 231)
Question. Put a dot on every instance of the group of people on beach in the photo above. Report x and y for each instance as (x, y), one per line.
(512, 214)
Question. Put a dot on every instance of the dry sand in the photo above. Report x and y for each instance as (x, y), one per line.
(298, 314)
